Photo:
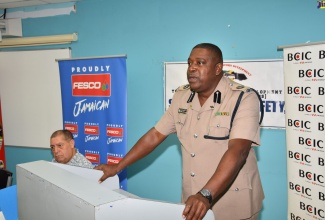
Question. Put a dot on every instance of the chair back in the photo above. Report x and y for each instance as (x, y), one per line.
(5, 178)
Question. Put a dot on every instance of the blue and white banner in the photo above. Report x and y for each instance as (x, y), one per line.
(94, 106)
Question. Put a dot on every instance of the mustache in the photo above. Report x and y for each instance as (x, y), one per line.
(191, 74)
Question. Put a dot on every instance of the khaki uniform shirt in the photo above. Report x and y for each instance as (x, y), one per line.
(201, 156)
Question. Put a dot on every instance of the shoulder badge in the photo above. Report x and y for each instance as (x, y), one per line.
(239, 87)
(183, 87)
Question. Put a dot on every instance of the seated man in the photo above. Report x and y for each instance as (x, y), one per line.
(64, 151)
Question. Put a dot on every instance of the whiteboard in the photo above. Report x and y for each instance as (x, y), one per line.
(30, 95)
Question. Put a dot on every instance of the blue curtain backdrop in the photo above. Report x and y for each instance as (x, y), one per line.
(94, 105)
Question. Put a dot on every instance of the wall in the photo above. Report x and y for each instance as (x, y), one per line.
(151, 32)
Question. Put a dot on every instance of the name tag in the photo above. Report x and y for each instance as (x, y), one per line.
(222, 113)
(182, 111)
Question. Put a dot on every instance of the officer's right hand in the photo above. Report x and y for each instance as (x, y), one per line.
(109, 170)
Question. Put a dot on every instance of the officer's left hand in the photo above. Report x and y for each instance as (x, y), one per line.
(196, 206)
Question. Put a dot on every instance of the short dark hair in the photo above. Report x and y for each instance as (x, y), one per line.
(67, 134)
(214, 48)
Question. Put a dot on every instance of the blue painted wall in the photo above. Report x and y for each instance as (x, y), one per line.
(151, 32)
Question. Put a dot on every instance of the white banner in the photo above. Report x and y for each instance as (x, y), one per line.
(265, 76)
(304, 79)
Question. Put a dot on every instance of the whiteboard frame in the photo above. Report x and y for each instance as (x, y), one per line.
(30, 95)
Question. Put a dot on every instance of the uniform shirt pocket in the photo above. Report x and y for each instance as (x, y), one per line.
(181, 118)
(218, 130)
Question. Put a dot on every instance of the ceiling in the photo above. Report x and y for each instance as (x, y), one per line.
(25, 3)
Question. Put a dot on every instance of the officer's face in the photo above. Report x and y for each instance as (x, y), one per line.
(204, 71)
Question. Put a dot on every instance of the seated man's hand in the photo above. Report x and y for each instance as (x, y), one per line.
(109, 170)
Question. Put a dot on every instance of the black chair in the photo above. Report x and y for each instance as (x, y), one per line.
(5, 178)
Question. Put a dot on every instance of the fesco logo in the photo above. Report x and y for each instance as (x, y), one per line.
(91, 85)
(94, 158)
(71, 127)
(114, 132)
(92, 130)
(113, 160)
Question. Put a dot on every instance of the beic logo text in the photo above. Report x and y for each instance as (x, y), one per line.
(319, 178)
(311, 142)
(312, 210)
(299, 90)
(299, 156)
(300, 189)
(309, 73)
(299, 56)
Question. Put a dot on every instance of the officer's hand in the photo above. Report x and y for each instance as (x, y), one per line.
(109, 170)
(196, 206)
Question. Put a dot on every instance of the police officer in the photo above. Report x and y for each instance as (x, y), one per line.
(217, 123)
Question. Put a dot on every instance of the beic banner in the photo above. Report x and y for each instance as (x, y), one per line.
(2, 145)
(265, 76)
(304, 80)
(94, 106)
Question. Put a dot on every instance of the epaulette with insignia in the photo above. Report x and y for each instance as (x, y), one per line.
(183, 87)
(239, 87)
